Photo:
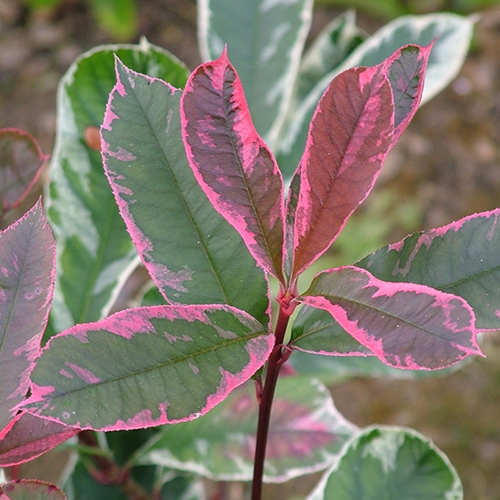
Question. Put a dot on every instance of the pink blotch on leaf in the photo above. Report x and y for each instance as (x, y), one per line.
(174, 280)
(30, 350)
(38, 393)
(225, 334)
(206, 127)
(230, 381)
(175, 338)
(121, 154)
(83, 373)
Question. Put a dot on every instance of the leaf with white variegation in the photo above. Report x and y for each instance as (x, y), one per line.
(21, 161)
(95, 253)
(192, 253)
(27, 268)
(334, 43)
(265, 42)
(460, 258)
(406, 325)
(147, 366)
(385, 463)
(306, 434)
(231, 162)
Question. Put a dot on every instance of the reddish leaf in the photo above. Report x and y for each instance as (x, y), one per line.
(29, 437)
(21, 162)
(349, 137)
(359, 118)
(406, 325)
(231, 162)
(27, 267)
(406, 73)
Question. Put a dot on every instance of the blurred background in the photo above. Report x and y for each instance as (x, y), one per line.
(446, 166)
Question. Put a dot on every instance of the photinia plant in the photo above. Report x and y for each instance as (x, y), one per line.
(198, 195)
(21, 161)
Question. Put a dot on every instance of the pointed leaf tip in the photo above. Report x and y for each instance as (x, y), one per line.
(406, 325)
(356, 123)
(406, 72)
(349, 137)
(191, 252)
(231, 162)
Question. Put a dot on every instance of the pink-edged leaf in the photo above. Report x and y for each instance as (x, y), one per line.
(406, 325)
(192, 253)
(147, 366)
(29, 437)
(358, 120)
(30, 489)
(231, 162)
(406, 73)
(27, 267)
(21, 161)
(349, 138)
(306, 434)
(316, 331)
(460, 258)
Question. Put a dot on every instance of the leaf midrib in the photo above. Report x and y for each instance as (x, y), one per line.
(116, 380)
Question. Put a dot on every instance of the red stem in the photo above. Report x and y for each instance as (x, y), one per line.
(273, 367)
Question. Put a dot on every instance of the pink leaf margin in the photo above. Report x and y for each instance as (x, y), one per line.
(325, 182)
(374, 340)
(30, 488)
(28, 437)
(144, 245)
(234, 195)
(128, 323)
(423, 59)
(26, 354)
(306, 205)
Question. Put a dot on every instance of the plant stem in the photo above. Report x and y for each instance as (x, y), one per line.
(266, 402)
(106, 471)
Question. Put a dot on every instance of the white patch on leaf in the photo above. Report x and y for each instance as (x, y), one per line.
(385, 448)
